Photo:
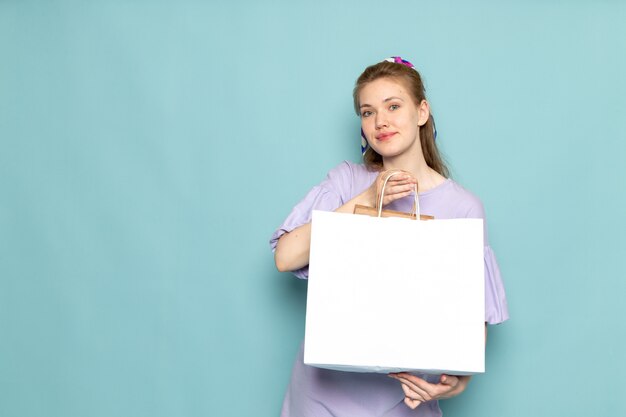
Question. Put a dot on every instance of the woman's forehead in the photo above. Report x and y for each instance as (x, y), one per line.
(383, 88)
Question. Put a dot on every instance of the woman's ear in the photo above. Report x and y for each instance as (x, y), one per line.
(423, 111)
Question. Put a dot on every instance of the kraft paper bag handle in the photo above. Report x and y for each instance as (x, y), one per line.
(378, 211)
(381, 195)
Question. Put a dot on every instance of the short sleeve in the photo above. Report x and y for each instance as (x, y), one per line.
(496, 308)
(328, 195)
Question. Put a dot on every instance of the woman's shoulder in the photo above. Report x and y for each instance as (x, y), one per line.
(350, 169)
(349, 177)
(456, 198)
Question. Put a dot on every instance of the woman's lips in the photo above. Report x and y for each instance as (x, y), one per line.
(384, 136)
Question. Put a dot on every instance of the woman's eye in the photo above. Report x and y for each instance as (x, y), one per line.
(366, 113)
(394, 107)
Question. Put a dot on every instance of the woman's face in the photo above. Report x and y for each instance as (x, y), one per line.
(390, 118)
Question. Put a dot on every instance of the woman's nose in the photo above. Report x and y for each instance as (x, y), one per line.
(381, 121)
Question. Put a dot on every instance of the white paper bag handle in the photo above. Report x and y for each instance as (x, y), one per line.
(382, 195)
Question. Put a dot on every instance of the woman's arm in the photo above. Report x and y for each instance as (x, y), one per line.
(292, 249)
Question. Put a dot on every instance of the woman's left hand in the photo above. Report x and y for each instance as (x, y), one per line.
(417, 390)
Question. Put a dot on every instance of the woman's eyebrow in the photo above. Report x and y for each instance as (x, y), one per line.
(384, 101)
(392, 98)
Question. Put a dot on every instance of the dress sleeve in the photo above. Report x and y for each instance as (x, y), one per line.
(327, 196)
(496, 308)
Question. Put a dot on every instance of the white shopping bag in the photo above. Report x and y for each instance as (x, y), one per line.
(392, 294)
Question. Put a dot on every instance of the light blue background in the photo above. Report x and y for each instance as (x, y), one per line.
(149, 149)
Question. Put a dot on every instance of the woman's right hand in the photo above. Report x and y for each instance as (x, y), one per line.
(398, 186)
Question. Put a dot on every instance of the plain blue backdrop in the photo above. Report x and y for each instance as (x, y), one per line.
(148, 149)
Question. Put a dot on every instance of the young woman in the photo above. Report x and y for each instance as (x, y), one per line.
(399, 133)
